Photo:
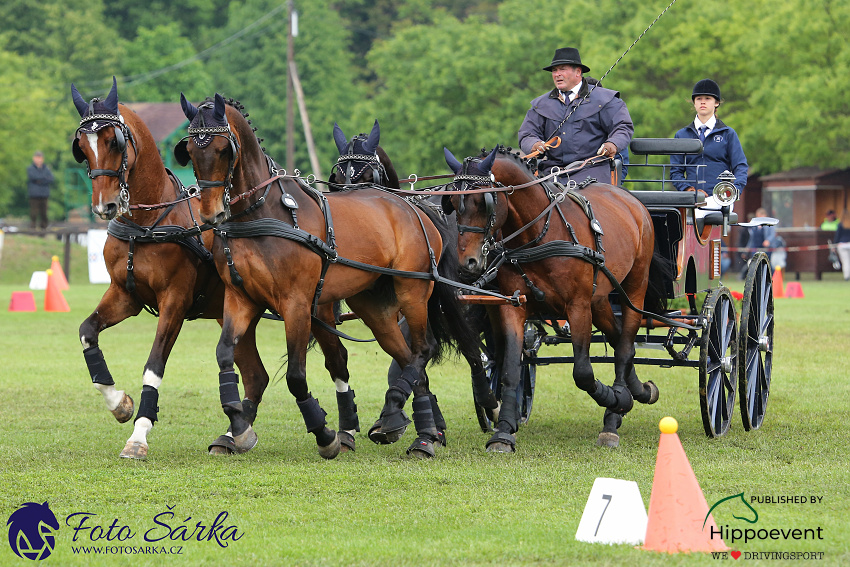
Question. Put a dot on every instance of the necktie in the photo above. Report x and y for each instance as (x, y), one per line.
(702, 130)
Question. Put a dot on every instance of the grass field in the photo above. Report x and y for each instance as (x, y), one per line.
(59, 444)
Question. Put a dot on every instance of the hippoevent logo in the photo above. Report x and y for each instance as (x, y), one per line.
(31, 531)
(741, 509)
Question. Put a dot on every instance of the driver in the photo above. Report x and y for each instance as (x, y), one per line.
(589, 119)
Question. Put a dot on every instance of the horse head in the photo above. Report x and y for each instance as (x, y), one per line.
(213, 147)
(479, 215)
(362, 160)
(105, 142)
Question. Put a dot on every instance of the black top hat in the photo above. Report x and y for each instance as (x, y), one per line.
(706, 87)
(567, 56)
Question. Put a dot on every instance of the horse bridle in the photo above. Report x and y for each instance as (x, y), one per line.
(370, 161)
(476, 182)
(202, 132)
(122, 135)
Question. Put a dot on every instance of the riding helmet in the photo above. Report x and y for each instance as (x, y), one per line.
(706, 87)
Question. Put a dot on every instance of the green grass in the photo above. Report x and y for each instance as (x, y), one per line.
(58, 443)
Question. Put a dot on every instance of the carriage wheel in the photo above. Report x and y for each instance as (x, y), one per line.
(755, 346)
(525, 390)
(718, 359)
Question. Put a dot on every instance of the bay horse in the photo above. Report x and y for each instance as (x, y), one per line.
(302, 249)
(158, 259)
(363, 162)
(551, 242)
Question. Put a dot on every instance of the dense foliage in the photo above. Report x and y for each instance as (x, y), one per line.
(434, 72)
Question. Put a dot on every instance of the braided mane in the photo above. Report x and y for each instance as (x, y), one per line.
(232, 102)
(530, 164)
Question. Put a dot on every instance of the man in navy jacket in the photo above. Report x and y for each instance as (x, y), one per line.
(721, 152)
(589, 119)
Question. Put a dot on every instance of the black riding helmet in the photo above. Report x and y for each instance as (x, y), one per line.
(706, 87)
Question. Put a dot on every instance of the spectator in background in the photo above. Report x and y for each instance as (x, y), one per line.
(765, 238)
(830, 222)
(842, 243)
(39, 180)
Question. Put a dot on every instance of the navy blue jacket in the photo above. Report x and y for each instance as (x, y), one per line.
(721, 151)
(602, 117)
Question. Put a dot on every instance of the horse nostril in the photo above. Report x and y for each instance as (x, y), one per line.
(472, 264)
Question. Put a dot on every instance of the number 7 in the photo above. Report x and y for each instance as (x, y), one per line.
(608, 498)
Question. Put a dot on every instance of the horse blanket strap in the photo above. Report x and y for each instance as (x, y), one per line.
(275, 227)
(556, 248)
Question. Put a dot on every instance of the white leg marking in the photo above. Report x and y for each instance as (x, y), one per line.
(93, 145)
(140, 431)
(84, 342)
(151, 379)
(341, 387)
(111, 396)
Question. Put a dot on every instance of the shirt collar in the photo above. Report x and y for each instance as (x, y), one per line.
(710, 123)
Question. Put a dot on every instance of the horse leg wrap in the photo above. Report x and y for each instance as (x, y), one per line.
(618, 399)
(611, 421)
(406, 381)
(314, 419)
(148, 404)
(348, 419)
(97, 366)
(423, 417)
(508, 413)
(313, 414)
(228, 391)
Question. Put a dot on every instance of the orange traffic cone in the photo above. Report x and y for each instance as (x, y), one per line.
(22, 301)
(778, 284)
(795, 289)
(53, 298)
(679, 519)
(59, 273)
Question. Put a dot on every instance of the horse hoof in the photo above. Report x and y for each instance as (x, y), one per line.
(124, 411)
(331, 450)
(422, 449)
(607, 439)
(501, 442)
(346, 440)
(440, 441)
(246, 441)
(500, 448)
(653, 391)
(224, 445)
(380, 437)
(134, 450)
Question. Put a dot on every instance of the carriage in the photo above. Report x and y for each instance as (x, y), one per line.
(732, 349)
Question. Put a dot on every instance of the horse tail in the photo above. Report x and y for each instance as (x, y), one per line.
(447, 316)
(660, 275)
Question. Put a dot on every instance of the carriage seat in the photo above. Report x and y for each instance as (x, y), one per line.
(716, 218)
(665, 146)
(668, 199)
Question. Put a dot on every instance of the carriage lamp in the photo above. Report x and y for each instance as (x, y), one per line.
(725, 191)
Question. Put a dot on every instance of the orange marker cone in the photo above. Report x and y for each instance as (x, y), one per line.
(59, 273)
(53, 298)
(795, 289)
(778, 284)
(677, 507)
(22, 301)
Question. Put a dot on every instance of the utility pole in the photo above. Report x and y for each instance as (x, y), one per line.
(290, 111)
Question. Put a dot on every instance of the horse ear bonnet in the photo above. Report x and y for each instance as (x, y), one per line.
(108, 109)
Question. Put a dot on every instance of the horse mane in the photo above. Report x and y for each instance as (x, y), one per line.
(240, 108)
(514, 156)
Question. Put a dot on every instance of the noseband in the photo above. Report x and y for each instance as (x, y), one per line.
(122, 135)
